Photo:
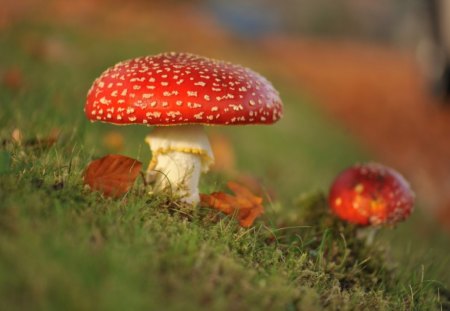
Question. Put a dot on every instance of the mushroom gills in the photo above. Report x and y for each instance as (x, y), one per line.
(179, 155)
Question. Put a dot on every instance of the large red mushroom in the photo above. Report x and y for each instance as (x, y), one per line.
(179, 93)
(371, 194)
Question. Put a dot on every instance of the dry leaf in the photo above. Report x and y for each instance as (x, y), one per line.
(113, 175)
(245, 206)
(256, 186)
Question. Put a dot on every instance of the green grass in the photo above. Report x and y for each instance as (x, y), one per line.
(63, 247)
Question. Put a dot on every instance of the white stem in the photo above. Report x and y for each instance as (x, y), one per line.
(180, 155)
(367, 234)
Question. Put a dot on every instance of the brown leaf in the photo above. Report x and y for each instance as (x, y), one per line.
(245, 206)
(256, 186)
(113, 175)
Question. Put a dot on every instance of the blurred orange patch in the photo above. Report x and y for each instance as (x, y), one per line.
(223, 153)
(114, 141)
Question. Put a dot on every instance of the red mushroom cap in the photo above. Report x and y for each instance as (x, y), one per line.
(181, 88)
(371, 194)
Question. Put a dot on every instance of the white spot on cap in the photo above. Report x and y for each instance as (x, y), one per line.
(194, 105)
(173, 114)
(153, 114)
(236, 107)
(104, 101)
(199, 115)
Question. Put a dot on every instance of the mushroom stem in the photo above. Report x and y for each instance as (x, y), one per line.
(179, 155)
(367, 234)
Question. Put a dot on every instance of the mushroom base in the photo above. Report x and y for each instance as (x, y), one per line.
(180, 155)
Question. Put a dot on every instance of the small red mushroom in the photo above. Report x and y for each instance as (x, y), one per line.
(178, 93)
(371, 194)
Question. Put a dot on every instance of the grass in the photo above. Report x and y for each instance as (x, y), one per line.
(63, 247)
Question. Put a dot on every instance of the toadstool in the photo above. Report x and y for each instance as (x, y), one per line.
(179, 93)
(371, 194)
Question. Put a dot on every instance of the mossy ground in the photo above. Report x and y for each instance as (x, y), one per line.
(63, 247)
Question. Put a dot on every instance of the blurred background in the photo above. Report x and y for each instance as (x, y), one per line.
(374, 70)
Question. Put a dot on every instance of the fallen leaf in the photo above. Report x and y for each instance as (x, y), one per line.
(256, 186)
(244, 205)
(113, 175)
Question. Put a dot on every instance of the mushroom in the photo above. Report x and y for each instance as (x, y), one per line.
(371, 194)
(179, 93)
